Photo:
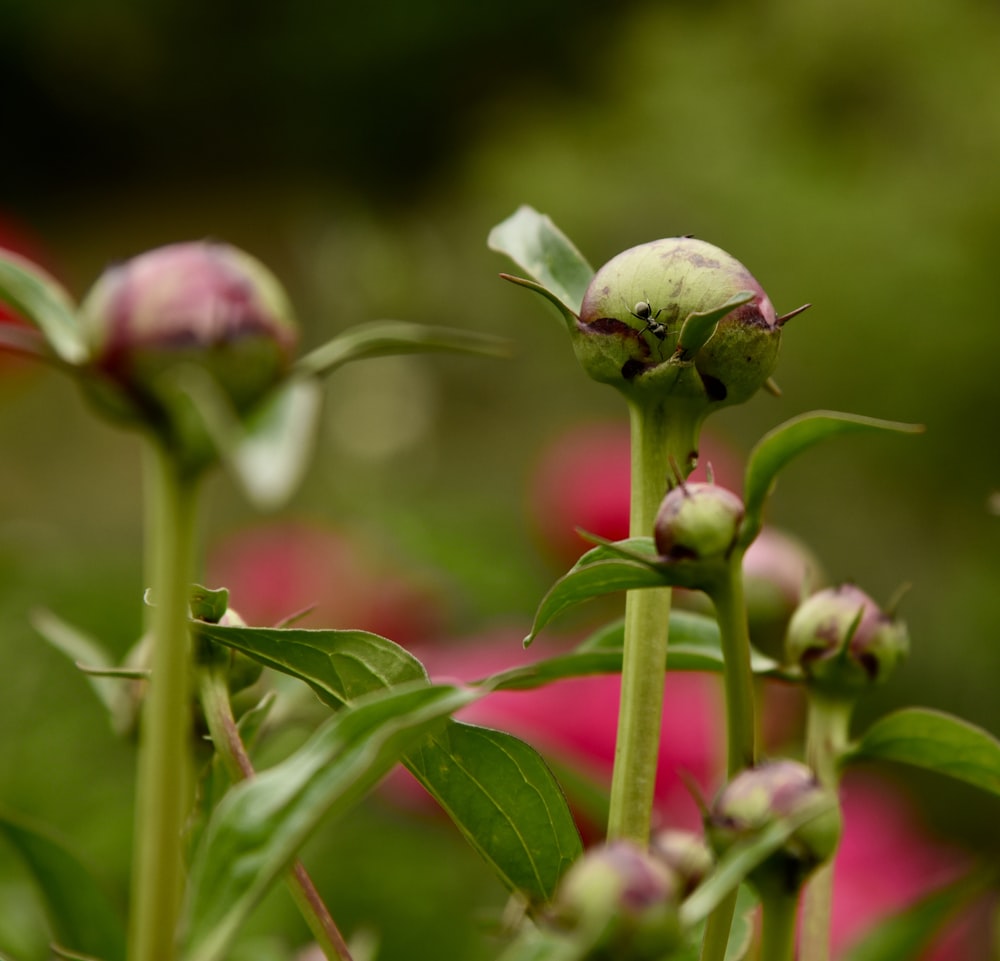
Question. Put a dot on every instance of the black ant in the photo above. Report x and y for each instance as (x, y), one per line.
(644, 312)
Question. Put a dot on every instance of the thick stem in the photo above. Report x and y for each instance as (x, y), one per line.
(226, 739)
(778, 915)
(656, 440)
(827, 732)
(164, 788)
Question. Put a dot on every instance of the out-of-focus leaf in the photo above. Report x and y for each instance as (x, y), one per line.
(43, 301)
(497, 790)
(740, 934)
(936, 742)
(83, 919)
(84, 651)
(255, 832)
(779, 446)
(381, 338)
(908, 934)
(546, 254)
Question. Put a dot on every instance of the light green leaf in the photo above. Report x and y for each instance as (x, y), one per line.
(83, 919)
(533, 242)
(381, 338)
(779, 446)
(256, 831)
(936, 742)
(43, 301)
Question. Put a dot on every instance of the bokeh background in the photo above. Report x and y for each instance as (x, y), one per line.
(847, 152)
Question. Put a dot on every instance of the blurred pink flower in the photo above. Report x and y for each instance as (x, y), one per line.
(279, 569)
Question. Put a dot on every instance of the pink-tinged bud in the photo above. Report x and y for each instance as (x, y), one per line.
(766, 794)
(686, 854)
(629, 332)
(843, 641)
(697, 522)
(622, 898)
(201, 304)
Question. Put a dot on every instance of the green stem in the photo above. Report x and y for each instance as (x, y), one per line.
(164, 788)
(656, 440)
(778, 915)
(827, 734)
(226, 739)
(741, 719)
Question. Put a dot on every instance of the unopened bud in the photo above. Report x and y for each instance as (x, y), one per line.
(686, 854)
(843, 641)
(697, 522)
(768, 793)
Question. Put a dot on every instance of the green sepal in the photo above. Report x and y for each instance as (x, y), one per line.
(698, 328)
(934, 741)
(533, 242)
(785, 442)
(208, 604)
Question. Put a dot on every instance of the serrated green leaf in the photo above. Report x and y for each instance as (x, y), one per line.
(254, 833)
(529, 845)
(908, 934)
(779, 446)
(83, 919)
(533, 242)
(936, 742)
(382, 338)
(43, 301)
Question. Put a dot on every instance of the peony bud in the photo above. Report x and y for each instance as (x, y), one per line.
(629, 331)
(763, 795)
(686, 854)
(697, 522)
(843, 641)
(623, 900)
(202, 304)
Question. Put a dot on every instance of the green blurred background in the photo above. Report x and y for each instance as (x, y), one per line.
(847, 152)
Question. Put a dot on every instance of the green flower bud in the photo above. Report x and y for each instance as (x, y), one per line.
(204, 305)
(697, 526)
(686, 854)
(622, 901)
(844, 642)
(765, 794)
(678, 316)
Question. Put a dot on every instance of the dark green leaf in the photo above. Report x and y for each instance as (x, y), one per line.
(528, 845)
(907, 935)
(381, 338)
(779, 446)
(935, 741)
(546, 254)
(255, 832)
(82, 917)
(504, 800)
(43, 301)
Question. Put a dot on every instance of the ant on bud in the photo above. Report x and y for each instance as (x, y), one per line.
(643, 311)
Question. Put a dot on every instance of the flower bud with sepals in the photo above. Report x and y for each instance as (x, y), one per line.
(770, 792)
(686, 854)
(843, 641)
(621, 902)
(200, 306)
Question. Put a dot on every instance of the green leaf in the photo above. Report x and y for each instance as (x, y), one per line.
(779, 446)
(256, 831)
(936, 742)
(208, 604)
(43, 301)
(740, 935)
(535, 244)
(82, 917)
(480, 777)
(381, 338)
(906, 935)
